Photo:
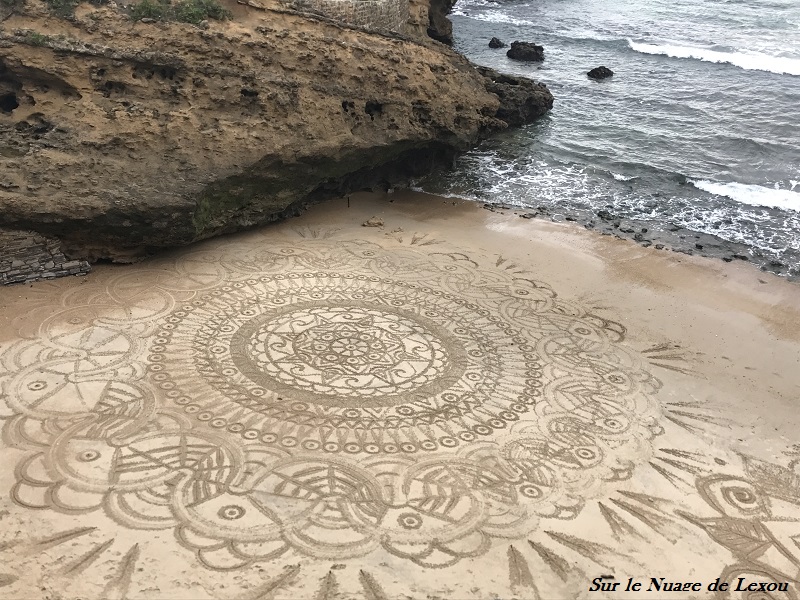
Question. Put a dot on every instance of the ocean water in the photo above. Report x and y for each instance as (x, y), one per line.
(699, 127)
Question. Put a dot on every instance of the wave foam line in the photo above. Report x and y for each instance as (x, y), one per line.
(755, 195)
(493, 16)
(755, 61)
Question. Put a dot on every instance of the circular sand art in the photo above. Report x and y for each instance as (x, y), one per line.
(325, 397)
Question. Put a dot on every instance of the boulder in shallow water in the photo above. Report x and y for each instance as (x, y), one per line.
(526, 51)
(600, 73)
(496, 43)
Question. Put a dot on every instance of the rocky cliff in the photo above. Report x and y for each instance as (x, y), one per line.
(121, 137)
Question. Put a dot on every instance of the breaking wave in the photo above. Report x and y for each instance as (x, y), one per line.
(752, 61)
(754, 195)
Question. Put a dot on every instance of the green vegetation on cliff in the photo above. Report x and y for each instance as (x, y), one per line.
(63, 8)
(188, 11)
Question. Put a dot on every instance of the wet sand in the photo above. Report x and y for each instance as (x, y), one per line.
(458, 404)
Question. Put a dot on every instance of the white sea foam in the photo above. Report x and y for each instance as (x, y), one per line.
(755, 195)
(753, 61)
(462, 4)
(619, 177)
(492, 16)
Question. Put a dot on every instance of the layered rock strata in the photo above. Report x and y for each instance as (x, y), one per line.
(119, 138)
(28, 256)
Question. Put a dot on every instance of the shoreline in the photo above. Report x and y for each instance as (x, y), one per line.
(636, 264)
(655, 234)
(631, 393)
(645, 234)
(637, 143)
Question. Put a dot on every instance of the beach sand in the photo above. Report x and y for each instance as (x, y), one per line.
(459, 403)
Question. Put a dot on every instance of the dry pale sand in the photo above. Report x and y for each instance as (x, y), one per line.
(458, 404)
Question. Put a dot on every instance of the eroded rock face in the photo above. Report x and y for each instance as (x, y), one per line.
(521, 100)
(496, 43)
(119, 138)
(439, 26)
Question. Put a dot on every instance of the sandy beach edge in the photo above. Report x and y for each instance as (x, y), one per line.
(717, 345)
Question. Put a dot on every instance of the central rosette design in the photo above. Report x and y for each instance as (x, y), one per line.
(341, 351)
(344, 362)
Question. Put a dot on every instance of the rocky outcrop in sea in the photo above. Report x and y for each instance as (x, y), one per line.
(526, 51)
(600, 73)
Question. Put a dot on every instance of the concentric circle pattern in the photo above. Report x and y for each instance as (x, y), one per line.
(346, 364)
(341, 351)
(328, 397)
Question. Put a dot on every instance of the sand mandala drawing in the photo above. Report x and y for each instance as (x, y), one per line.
(325, 397)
